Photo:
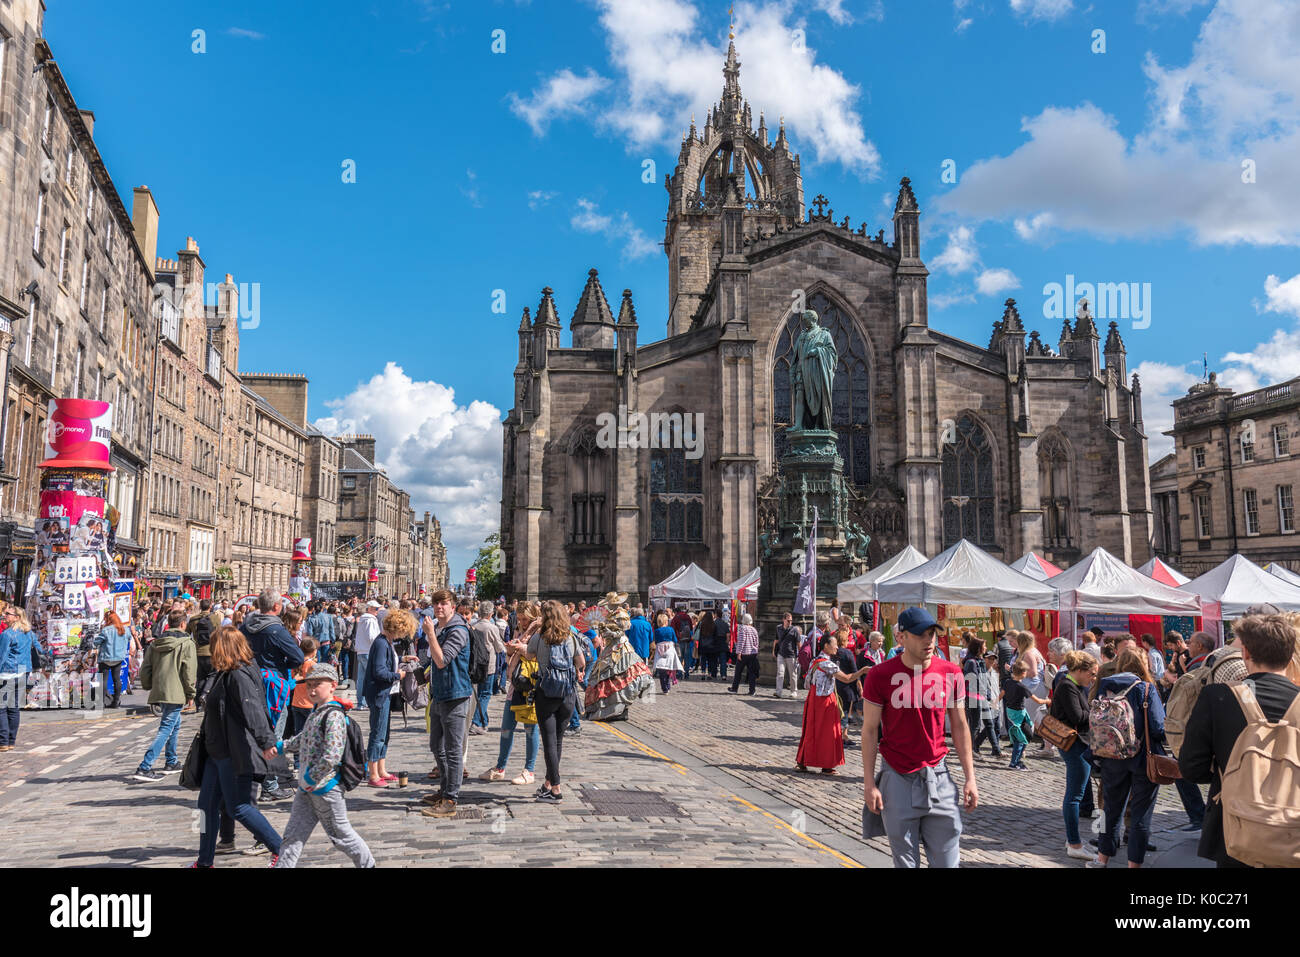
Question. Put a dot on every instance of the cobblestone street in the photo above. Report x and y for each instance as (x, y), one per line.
(697, 777)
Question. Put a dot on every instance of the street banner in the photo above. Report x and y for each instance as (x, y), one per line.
(805, 601)
(77, 434)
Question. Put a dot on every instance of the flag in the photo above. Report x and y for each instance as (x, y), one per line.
(805, 600)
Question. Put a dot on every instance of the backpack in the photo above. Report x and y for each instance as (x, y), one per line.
(1111, 726)
(805, 652)
(1261, 823)
(478, 656)
(414, 692)
(1223, 666)
(557, 678)
(352, 769)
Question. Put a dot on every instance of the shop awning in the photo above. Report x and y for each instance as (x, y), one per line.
(966, 575)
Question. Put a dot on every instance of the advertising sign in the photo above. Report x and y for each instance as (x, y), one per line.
(78, 433)
(302, 549)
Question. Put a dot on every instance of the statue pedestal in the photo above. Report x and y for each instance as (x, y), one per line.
(812, 476)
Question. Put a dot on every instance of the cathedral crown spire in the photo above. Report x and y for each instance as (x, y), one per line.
(732, 103)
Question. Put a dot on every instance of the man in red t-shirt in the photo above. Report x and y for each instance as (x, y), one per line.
(906, 699)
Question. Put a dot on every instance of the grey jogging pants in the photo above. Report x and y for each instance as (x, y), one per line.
(331, 811)
(921, 808)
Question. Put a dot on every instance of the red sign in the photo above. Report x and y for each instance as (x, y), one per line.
(374, 575)
(302, 549)
(78, 434)
(471, 575)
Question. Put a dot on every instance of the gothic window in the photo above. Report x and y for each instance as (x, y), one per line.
(676, 497)
(968, 489)
(1054, 491)
(850, 390)
(587, 466)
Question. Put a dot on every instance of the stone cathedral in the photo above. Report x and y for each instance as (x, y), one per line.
(1012, 445)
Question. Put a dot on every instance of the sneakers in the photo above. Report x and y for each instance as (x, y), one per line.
(148, 777)
(268, 797)
(258, 848)
(547, 796)
(475, 729)
(433, 800)
(1096, 863)
(446, 809)
(1079, 853)
(492, 774)
(6, 747)
(226, 847)
(274, 859)
(1018, 767)
(523, 777)
(172, 769)
(203, 866)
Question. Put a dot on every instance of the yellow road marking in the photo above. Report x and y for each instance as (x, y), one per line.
(779, 825)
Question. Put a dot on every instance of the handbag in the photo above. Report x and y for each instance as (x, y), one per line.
(195, 762)
(1161, 768)
(1056, 732)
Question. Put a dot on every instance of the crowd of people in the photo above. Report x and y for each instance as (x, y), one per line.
(1129, 713)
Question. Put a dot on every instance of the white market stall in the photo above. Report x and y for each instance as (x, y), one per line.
(689, 582)
(863, 588)
(1101, 584)
(745, 588)
(1227, 590)
(1273, 568)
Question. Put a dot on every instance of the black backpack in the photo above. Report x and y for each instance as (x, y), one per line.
(352, 769)
(478, 657)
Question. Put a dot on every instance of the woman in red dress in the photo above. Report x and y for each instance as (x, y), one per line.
(822, 742)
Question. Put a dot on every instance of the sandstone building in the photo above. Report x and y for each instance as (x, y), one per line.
(1012, 444)
(1230, 484)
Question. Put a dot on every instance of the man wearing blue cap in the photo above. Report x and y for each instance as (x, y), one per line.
(906, 701)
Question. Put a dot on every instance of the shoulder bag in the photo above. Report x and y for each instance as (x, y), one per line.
(1161, 769)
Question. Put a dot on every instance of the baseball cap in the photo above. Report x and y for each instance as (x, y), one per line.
(916, 621)
(373, 604)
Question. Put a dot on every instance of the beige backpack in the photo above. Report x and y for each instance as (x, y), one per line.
(1260, 787)
(1223, 666)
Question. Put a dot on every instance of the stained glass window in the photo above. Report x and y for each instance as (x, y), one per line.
(850, 389)
(676, 497)
(968, 489)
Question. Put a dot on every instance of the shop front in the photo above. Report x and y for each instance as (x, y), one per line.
(17, 552)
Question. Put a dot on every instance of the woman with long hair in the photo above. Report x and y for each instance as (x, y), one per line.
(528, 619)
(18, 652)
(1070, 707)
(236, 732)
(112, 647)
(703, 642)
(821, 743)
(559, 661)
(1124, 780)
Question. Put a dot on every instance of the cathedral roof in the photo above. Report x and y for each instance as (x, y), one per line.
(1113, 342)
(593, 309)
(626, 311)
(546, 309)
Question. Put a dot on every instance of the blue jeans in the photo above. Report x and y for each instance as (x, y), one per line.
(169, 729)
(222, 786)
(687, 649)
(343, 665)
(380, 718)
(361, 674)
(1077, 772)
(532, 741)
(272, 781)
(482, 697)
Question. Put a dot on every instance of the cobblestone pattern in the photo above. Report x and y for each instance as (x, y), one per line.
(1018, 821)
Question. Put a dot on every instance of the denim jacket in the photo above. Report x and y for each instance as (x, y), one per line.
(451, 681)
(321, 627)
(113, 644)
(16, 651)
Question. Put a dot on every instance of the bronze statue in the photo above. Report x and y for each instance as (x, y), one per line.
(813, 372)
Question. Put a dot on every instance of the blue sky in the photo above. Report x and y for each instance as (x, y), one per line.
(479, 171)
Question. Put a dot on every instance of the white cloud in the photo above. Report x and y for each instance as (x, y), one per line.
(1041, 9)
(446, 456)
(993, 282)
(470, 189)
(538, 198)
(963, 24)
(835, 10)
(587, 218)
(1276, 360)
(564, 94)
(960, 255)
(944, 300)
(1283, 296)
(1237, 100)
(245, 34)
(1034, 228)
(1160, 7)
(665, 71)
(1161, 384)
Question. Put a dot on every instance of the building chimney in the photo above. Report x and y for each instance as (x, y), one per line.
(88, 117)
(144, 219)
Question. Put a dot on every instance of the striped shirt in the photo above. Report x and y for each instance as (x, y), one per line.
(746, 640)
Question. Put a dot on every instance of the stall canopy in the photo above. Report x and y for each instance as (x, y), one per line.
(691, 582)
(1163, 573)
(1229, 589)
(1039, 569)
(1102, 584)
(745, 588)
(966, 575)
(863, 588)
(1273, 568)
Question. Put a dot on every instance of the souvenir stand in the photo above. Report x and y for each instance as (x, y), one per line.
(1101, 590)
(967, 577)
(1227, 590)
(74, 580)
